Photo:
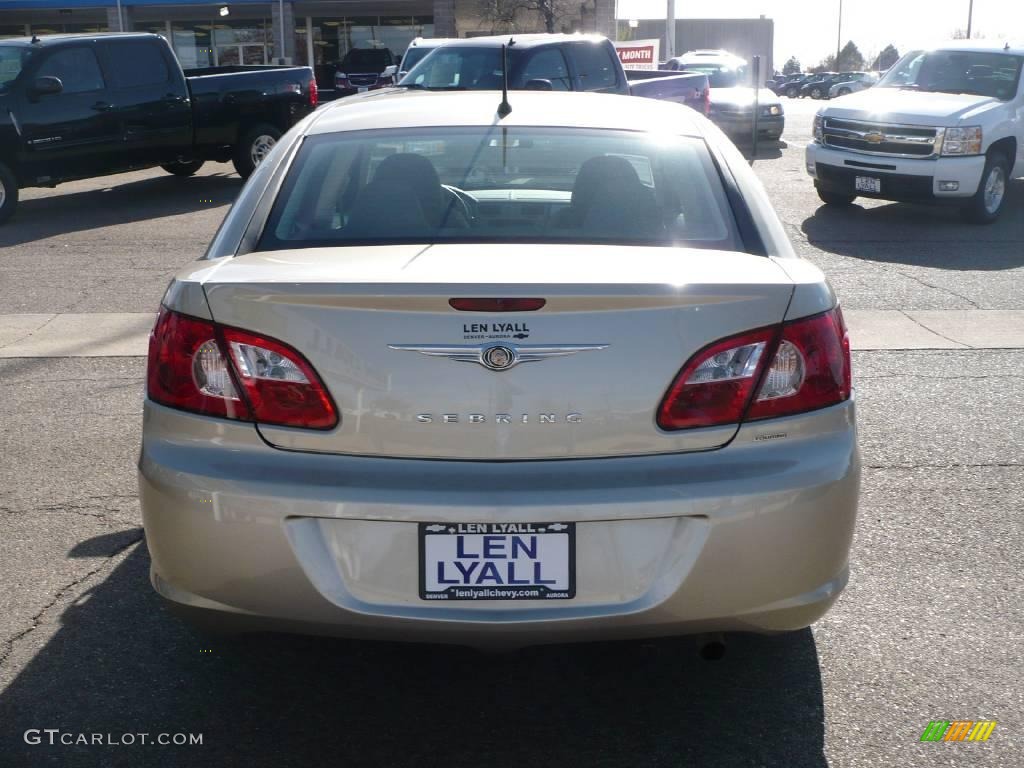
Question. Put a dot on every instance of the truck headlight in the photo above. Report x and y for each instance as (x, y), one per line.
(962, 141)
(773, 111)
(818, 122)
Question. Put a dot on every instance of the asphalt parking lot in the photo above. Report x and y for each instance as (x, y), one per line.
(930, 627)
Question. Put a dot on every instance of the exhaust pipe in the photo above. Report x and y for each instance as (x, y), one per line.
(711, 646)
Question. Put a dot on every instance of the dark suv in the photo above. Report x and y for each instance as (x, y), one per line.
(365, 69)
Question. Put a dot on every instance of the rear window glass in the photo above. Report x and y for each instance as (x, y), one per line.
(370, 59)
(137, 64)
(495, 184)
(597, 66)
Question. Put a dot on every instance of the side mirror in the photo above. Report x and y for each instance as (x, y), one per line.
(47, 86)
(539, 84)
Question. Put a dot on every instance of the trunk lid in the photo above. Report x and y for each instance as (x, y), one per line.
(639, 313)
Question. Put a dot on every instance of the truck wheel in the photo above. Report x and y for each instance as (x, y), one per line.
(987, 203)
(815, 93)
(834, 198)
(183, 169)
(792, 93)
(8, 193)
(845, 91)
(255, 145)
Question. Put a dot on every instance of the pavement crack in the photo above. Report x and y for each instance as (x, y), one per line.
(926, 284)
(921, 325)
(27, 335)
(60, 593)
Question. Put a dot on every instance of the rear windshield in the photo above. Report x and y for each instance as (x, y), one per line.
(12, 61)
(719, 76)
(413, 57)
(495, 184)
(980, 73)
(369, 59)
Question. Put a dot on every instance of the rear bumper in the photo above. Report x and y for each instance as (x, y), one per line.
(902, 179)
(752, 537)
(742, 126)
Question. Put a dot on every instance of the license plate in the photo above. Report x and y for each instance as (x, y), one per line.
(497, 561)
(363, 89)
(867, 184)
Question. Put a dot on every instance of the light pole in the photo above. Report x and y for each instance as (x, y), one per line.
(120, 18)
(280, 10)
(970, 17)
(839, 34)
(670, 29)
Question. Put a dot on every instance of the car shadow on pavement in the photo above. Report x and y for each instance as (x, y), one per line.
(121, 664)
(119, 203)
(918, 235)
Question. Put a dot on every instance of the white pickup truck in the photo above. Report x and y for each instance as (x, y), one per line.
(943, 126)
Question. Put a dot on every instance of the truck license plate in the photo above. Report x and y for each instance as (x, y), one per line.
(497, 561)
(868, 184)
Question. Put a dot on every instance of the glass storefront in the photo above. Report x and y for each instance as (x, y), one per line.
(333, 37)
(12, 30)
(221, 43)
(58, 28)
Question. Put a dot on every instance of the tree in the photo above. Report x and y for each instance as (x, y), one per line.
(850, 58)
(528, 15)
(792, 66)
(886, 58)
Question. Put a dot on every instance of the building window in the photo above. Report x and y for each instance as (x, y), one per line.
(334, 37)
(222, 43)
(12, 30)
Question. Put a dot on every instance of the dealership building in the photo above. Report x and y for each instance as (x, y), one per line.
(315, 32)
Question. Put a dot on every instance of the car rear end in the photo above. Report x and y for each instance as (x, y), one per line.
(552, 424)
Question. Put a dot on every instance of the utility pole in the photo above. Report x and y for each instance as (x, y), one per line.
(281, 14)
(120, 19)
(970, 17)
(670, 29)
(839, 34)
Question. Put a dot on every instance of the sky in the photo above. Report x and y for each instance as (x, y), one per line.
(807, 29)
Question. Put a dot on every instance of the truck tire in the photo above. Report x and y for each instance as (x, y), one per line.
(8, 193)
(834, 198)
(845, 91)
(988, 201)
(183, 169)
(815, 93)
(254, 145)
(792, 92)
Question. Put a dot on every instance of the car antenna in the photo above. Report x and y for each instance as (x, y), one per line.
(34, 39)
(505, 108)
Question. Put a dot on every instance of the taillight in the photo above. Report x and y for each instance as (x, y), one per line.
(810, 370)
(341, 80)
(716, 385)
(261, 380)
(802, 366)
(314, 93)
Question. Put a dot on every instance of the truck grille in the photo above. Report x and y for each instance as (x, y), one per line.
(363, 80)
(882, 138)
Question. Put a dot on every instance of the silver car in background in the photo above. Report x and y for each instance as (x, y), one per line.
(581, 388)
(860, 81)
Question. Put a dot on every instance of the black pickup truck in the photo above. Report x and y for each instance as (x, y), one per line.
(77, 106)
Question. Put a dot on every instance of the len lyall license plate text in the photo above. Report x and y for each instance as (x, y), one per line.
(497, 561)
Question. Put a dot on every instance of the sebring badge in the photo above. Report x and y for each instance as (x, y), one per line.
(498, 357)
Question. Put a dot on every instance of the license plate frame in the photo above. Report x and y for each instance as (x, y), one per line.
(870, 184)
(437, 538)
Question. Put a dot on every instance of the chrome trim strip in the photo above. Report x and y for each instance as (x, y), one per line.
(477, 353)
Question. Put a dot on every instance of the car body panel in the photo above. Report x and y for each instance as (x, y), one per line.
(652, 308)
(753, 538)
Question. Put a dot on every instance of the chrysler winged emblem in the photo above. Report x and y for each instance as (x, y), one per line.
(498, 357)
